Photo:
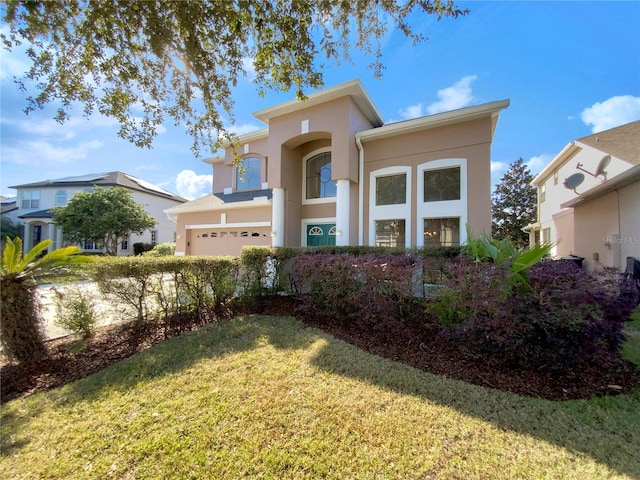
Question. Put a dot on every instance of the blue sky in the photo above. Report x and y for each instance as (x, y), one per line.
(570, 69)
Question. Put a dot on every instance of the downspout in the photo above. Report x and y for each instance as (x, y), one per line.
(360, 190)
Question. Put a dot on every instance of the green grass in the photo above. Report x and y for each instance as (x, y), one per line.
(631, 348)
(266, 397)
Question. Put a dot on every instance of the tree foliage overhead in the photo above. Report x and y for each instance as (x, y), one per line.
(143, 62)
(107, 216)
(514, 204)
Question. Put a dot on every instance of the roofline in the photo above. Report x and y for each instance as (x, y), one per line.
(352, 88)
(565, 154)
(184, 208)
(433, 121)
(95, 183)
(625, 178)
(242, 139)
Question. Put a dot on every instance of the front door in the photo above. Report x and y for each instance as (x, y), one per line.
(321, 234)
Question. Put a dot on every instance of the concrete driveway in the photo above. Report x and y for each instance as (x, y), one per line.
(105, 312)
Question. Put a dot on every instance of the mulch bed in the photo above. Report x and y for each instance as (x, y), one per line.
(111, 344)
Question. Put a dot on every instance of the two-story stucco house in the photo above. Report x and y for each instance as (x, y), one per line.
(35, 201)
(327, 170)
(589, 198)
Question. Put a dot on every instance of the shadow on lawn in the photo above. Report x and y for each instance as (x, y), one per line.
(605, 429)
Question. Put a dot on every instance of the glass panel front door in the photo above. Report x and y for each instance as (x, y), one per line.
(321, 234)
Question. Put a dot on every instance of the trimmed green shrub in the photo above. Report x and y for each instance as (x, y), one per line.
(75, 311)
(161, 250)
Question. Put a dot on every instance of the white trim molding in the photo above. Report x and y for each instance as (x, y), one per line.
(446, 208)
(390, 212)
(314, 201)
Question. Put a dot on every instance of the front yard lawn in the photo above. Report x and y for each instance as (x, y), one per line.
(268, 397)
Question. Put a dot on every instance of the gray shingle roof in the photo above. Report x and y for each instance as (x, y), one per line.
(108, 179)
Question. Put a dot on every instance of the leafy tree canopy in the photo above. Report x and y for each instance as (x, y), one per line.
(106, 215)
(514, 204)
(180, 59)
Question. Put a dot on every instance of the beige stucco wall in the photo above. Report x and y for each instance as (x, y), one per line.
(335, 119)
(564, 234)
(439, 143)
(556, 193)
(610, 227)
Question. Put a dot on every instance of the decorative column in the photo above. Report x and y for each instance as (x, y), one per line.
(58, 237)
(342, 212)
(277, 218)
(26, 245)
(51, 235)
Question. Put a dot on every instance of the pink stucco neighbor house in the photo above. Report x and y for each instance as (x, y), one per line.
(327, 170)
(589, 198)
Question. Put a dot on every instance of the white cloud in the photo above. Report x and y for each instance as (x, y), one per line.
(498, 166)
(243, 128)
(538, 162)
(247, 65)
(458, 95)
(611, 113)
(191, 185)
(39, 152)
(412, 111)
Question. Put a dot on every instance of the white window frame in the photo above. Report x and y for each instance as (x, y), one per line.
(400, 211)
(312, 201)
(58, 196)
(445, 208)
(30, 199)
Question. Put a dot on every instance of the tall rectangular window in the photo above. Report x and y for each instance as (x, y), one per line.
(61, 198)
(442, 232)
(31, 199)
(391, 189)
(442, 184)
(546, 235)
(154, 236)
(390, 233)
(543, 193)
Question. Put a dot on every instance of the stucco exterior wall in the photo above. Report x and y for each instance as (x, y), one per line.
(609, 226)
(440, 143)
(556, 193)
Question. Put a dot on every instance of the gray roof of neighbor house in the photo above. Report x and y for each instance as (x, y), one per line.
(622, 142)
(246, 199)
(108, 179)
(38, 214)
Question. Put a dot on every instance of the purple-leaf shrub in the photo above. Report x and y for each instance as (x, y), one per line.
(568, 318)
(370, 292)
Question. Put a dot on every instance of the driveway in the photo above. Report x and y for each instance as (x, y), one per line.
(105, 313)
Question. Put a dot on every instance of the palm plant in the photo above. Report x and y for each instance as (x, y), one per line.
(20, 332)
(504, 251)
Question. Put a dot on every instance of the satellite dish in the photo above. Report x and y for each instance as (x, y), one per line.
(574, 181)
(604, 163)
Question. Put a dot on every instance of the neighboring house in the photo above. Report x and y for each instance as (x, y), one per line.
(327, 170)
(35, 201)
(589, 198)
(9, 208)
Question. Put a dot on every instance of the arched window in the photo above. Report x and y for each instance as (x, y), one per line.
(318, 177)
(248, 174)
